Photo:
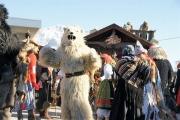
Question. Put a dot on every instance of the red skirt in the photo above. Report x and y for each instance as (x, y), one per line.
(178, 97)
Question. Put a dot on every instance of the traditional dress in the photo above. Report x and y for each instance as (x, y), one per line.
(106, 92)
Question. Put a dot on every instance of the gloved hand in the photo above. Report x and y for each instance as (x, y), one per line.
(98, 80)
(36, 86)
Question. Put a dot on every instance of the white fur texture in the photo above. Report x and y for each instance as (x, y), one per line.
(73, 56)
(49, 58)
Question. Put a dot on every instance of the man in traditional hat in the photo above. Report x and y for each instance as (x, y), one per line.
(29, 49)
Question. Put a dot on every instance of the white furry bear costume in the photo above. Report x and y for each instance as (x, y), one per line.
(73, 56)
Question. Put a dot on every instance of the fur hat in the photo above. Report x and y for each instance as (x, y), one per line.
(30, 41)
(157, 52)
(28, 47)
(128, 50)
(139, 49)
(29, 44)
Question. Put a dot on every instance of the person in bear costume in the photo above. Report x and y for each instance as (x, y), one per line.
(74, 58)
(9, 49)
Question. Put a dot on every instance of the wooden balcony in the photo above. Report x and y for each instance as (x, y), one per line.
(147, 35)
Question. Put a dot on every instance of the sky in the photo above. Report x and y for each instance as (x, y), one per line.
(161, 15)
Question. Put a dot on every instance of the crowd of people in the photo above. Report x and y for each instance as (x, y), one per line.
(141, 85)
(24, 83)
(129, 27)
(42, 86)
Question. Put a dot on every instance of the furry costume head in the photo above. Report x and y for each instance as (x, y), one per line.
(3, 15)
(157, 52)
(73, 36)
(9, 41)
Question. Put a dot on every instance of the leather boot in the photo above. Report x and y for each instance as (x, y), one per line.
(31, 115)
(19, 114)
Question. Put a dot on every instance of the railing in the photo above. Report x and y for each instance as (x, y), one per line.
(148, 35)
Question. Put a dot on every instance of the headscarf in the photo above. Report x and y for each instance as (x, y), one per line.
(107, 58)
(128, 51)
(139, 49)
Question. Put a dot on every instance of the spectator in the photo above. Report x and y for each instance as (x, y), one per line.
(177, 87)
(106, 92)
(144, 26)
(31, 48)
(42, 94)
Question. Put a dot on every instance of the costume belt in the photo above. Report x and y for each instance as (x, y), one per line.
(74, 74)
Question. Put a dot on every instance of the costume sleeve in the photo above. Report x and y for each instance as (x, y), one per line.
(107, 72)
(32, 68)
(61, 74)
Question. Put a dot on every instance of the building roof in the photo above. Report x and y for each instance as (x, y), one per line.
(21, 26)
(125, 35)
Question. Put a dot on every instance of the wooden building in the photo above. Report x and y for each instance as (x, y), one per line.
(97, 39)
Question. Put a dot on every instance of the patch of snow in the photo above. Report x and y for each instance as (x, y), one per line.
(51, 36)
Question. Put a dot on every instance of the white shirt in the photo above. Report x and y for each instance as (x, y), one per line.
(108, 71)
(61, 74)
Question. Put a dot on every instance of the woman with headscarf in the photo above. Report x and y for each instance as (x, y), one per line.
(153, 103)
(132, 74)
(149, 91)
(106, 92)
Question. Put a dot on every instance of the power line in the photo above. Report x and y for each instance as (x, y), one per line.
(169, 38)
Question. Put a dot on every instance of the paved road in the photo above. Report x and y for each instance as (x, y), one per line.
(52, 113)
(178, 116)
